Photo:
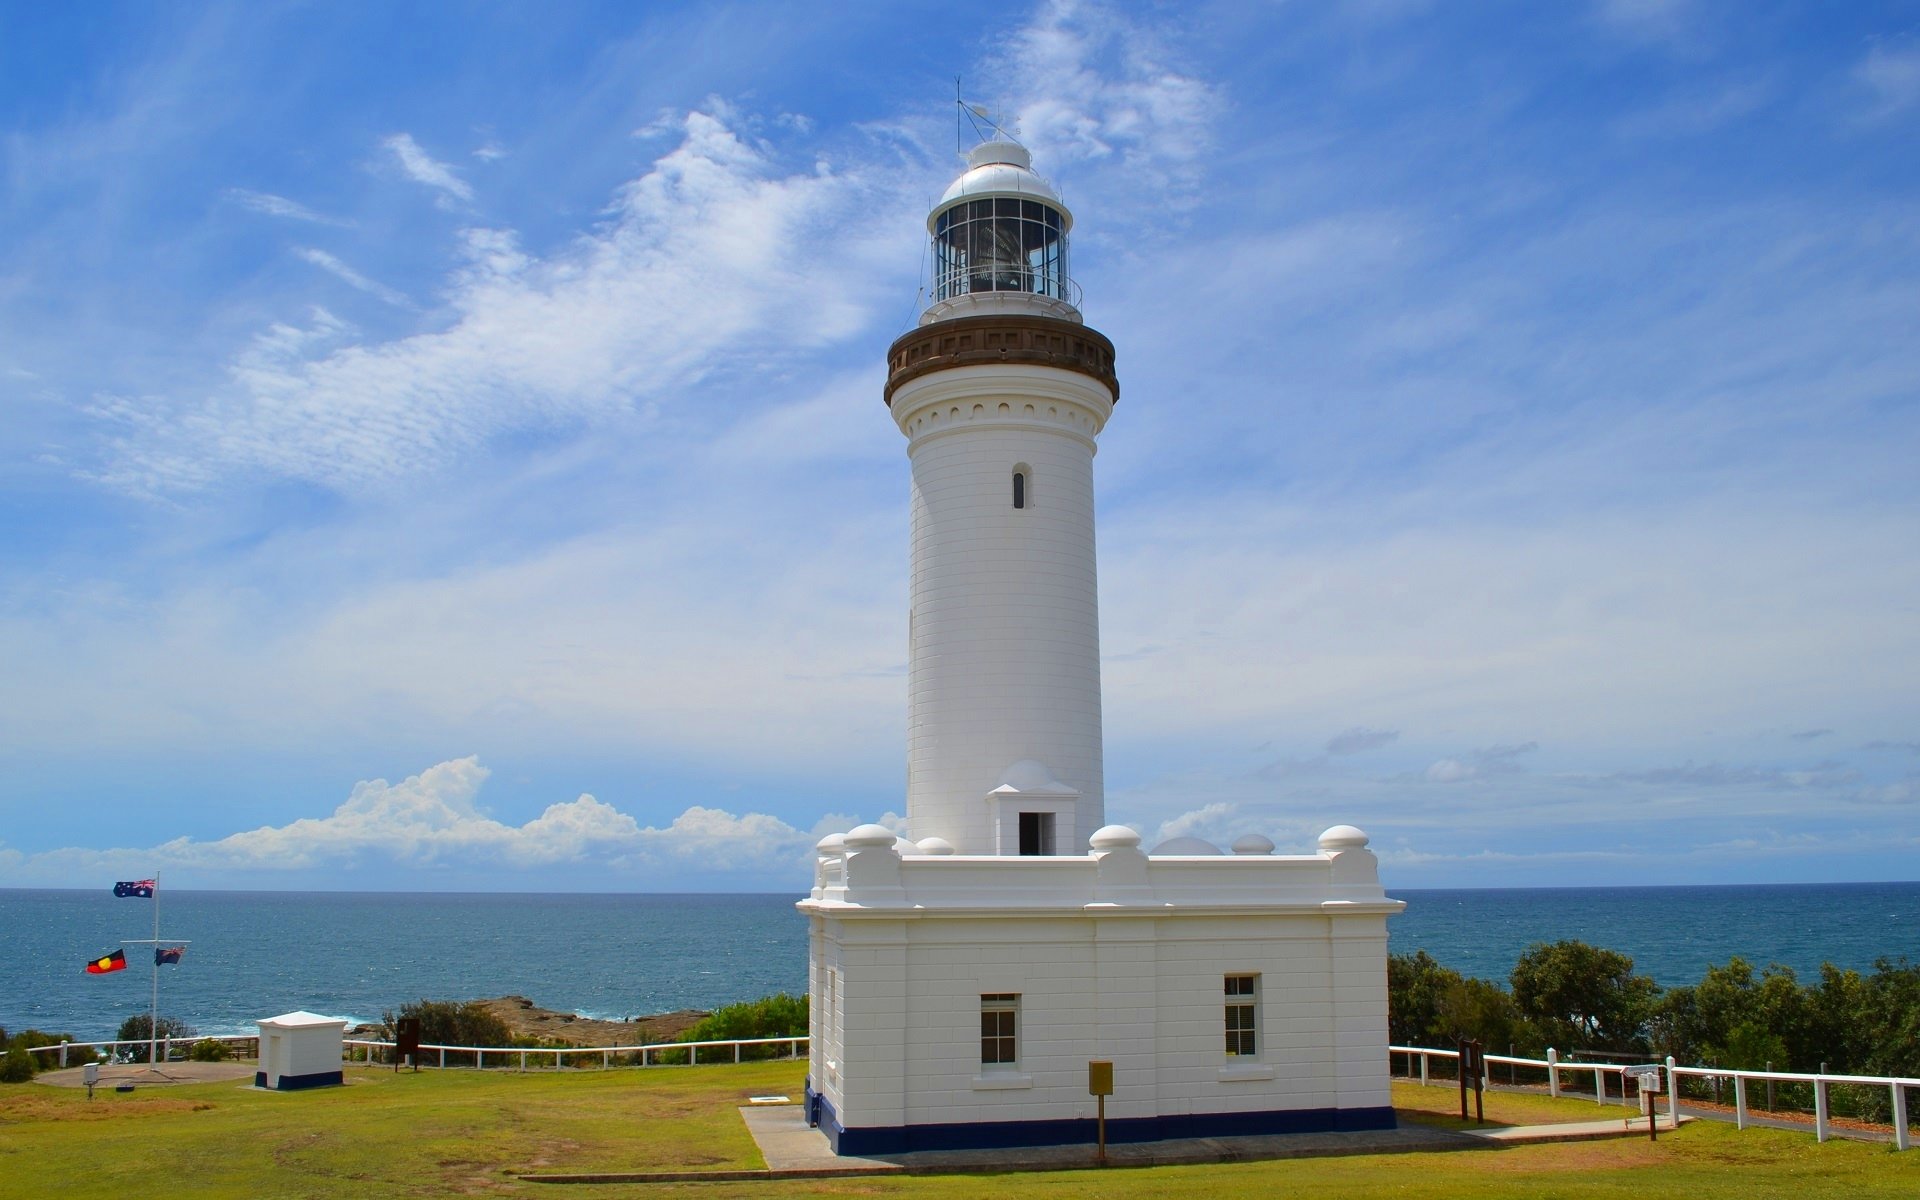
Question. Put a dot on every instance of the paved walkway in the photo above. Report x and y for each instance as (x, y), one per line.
(794, 1151)
(142, 1075)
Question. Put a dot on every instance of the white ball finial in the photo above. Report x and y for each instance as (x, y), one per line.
(1114, 837)
(1342, 837)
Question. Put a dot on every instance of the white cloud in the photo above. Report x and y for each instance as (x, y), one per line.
(1360, 739)
(1206, 822)
(700, 255)
(280, 206)
(352, 278)
(422, 167)
(1451, 770)
(1892, 74)
(1090, 84)
(432, 820)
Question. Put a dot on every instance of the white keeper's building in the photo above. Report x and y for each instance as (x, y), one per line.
(965, 975)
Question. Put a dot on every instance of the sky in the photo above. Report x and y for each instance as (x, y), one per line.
(442, 446)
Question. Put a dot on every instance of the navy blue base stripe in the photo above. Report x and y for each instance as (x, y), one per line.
(996, 1135)
(294, 1083)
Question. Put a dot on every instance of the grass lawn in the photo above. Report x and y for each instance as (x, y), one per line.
(470, 1133)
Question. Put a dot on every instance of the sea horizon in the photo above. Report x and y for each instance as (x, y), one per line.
(254, 953)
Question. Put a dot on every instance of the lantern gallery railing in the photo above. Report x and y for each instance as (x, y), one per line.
(1556, 1069)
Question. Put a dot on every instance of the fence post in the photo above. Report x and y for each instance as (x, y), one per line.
(1820, 1108)
(1740, 1101)
(1423, 1069)
(1599, 1086)
(1553, 1072)
(693, 1055)
(1900, 1135)
(1769, 1085)
(606, 1059)
(736, 1053)
(443, 1057)
(1673, 1096)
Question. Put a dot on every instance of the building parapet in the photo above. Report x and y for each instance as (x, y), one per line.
(871, 871)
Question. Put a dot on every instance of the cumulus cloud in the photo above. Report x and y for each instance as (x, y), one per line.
(1205, 822)
(423, 168)
(433, 819)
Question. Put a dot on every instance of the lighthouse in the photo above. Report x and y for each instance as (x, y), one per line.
(965, 976)
(1002, 391)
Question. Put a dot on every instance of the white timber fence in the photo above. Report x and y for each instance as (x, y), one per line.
(555, 1057)
(1561, 1073)
(525, 1057)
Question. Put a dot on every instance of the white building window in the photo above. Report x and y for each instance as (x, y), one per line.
(1243, 1015)
(999, 1029)
(1019, 487)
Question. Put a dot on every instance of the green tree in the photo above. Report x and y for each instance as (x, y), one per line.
(1583, 990)
(135, 1029)
(1415, 984)
(454, 1023)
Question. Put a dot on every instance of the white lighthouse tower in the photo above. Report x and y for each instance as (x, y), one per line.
(1001, 392)
(963, 977)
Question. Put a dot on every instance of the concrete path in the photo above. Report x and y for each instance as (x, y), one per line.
(142, 1075)
(794, 1151)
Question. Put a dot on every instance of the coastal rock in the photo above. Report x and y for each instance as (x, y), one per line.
(527, 1019)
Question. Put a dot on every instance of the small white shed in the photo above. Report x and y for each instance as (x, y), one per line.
(300, 1050)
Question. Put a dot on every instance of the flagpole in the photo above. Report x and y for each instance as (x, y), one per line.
(153, 1013)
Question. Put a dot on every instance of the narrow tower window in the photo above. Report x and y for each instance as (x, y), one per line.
(1019, 488)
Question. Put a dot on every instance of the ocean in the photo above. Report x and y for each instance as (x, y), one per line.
(355, 955)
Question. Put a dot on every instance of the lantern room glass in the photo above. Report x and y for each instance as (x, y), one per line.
(1002, 244)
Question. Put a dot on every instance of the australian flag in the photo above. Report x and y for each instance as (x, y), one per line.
(142, 888)
(170, 954)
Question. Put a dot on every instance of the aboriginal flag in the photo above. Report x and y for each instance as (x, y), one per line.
(170, 954)
(141, 888)
(108, 964)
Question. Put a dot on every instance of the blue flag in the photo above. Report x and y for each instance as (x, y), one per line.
(171, 954)
(141, 888)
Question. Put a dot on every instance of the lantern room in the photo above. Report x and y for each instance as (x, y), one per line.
(1000, 240)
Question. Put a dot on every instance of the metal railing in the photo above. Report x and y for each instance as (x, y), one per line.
(1602, 1073)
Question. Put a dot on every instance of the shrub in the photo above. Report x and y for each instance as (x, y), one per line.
(17, 1067)
(27, 1039)
(209, 1050)
(780, 1015)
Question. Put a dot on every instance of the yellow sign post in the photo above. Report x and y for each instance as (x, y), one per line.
(1100, 1084)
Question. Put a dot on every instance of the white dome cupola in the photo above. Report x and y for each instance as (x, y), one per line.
(1000, 241)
